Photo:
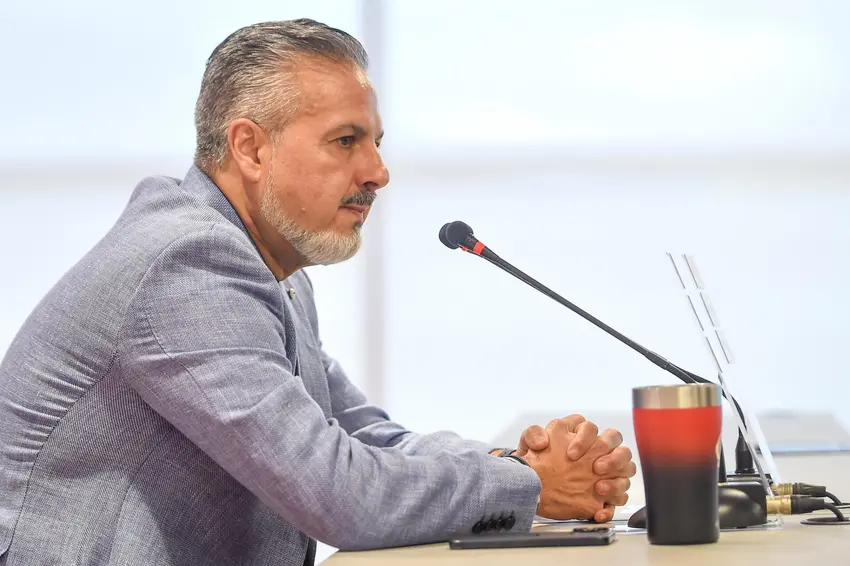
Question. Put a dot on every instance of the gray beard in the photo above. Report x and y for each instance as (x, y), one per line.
(317, 248)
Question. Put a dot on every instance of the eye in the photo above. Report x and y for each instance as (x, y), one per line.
(346, 141)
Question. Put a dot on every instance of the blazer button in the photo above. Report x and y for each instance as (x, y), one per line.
(501, 523)
(494, 523)
(509, 524)
(477, 528)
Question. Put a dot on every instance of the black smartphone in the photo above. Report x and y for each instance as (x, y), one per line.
(579, 536)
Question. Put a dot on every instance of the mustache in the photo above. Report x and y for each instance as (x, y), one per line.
(365, 198)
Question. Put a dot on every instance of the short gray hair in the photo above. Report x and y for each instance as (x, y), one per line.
(246, 77)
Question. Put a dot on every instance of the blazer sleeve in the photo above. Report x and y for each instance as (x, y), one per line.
(203, 344)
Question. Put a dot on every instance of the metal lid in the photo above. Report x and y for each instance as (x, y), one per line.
(683, 396)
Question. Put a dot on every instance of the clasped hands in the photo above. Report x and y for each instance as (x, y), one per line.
(584, 474)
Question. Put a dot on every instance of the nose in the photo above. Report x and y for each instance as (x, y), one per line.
(375, 174)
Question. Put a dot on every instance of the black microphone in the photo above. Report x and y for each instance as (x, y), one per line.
(457, 234)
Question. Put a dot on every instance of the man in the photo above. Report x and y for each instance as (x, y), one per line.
(169, 401)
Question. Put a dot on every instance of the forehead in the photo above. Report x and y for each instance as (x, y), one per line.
(329, 89)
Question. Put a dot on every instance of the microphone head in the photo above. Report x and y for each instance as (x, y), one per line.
(455, 234)
(444, 238)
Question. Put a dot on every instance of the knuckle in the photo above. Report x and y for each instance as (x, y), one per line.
(574, 420)
(623, 455)
(535, 429)
(613, 436)
(590, 427)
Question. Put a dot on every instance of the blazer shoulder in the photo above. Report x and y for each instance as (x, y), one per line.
(160, 211)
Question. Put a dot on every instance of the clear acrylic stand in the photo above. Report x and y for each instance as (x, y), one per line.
(717, 346)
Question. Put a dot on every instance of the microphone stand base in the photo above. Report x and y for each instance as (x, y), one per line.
(741, 504)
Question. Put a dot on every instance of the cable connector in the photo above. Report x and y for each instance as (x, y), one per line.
(799, 505)
(799, 489)
(803, 489)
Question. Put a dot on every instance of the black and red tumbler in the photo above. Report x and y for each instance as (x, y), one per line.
(677, 429)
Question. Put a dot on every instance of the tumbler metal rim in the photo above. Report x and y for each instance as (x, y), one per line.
(684, 396)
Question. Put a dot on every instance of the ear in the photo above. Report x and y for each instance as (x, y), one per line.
(249, 148)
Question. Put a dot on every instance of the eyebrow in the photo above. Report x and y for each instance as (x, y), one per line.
(360, 131)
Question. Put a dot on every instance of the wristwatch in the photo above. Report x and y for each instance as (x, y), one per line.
(509, 454)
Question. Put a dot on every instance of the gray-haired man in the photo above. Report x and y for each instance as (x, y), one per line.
(169, 401)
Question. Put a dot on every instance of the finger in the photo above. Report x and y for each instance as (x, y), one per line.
(533, 438)
(573, 421)
(584, 438)
(605, 514)
(619, 500)
(613, 438)
(616, 463)
(612, 488)
(607, 442)
(567, 424)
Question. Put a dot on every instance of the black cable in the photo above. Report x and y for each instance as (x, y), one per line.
(835, 510)
(834, 499)
(803, 504)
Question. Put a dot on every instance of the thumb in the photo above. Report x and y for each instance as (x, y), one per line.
(533, 438)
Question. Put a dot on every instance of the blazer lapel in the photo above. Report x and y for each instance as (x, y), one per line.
(309, 354)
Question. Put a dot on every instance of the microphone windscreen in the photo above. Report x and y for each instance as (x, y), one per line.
(457, 234)
(444, 236)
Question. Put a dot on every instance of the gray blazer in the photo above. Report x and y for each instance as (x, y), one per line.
(169, 403)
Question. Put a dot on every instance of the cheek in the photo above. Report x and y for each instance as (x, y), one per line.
(319, 202)
(323, 210)
(304, 198)
(311, 188)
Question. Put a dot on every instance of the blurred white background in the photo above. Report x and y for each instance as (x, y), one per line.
(581, 141)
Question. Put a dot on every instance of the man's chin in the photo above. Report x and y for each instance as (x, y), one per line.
(333, 247)
(326, 247)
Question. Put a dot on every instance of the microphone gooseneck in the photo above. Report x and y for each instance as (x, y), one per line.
(457, 234)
